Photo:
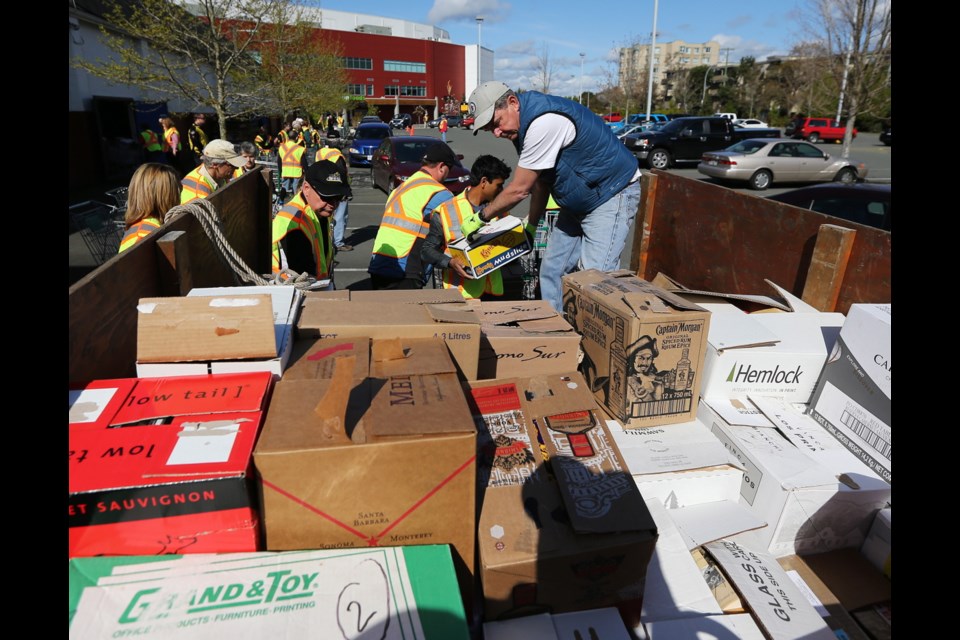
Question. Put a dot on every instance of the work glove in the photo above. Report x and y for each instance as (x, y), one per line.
(470, 225)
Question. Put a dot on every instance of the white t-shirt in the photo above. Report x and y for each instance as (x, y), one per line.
(546, 136)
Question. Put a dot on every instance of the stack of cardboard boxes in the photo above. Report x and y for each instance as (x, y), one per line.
(559, 470)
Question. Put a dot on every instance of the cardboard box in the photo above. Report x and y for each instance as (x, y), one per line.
(408, 476)
(821, 598)
(316, 358)
(457, 324)
(163, 465)
(876, 548)
(396, 592)
(776, 603)
(409, 296)
(777, 354)
(570, 535)
(643, 347)
(496, 243)
(524, 338)
(811, 492)
(852, 399)
(217, 330)
(740, 626)
(678, 465)
(594, 623)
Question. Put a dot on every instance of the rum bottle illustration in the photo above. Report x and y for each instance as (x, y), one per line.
(682, 378)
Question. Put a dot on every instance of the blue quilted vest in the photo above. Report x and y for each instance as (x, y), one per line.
(594, 168)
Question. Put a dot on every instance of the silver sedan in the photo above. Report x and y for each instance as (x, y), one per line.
(762, 161)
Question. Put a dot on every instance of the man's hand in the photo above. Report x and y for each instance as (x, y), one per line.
(458, 266)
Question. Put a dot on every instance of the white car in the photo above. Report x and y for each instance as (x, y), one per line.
(750, 123)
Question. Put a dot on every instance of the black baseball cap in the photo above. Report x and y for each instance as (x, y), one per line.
(440, 152)
(328, 179)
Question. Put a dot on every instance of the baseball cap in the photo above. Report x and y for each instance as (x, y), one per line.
(440, 152)
(482, 101)
(224, 150)
(328, 179)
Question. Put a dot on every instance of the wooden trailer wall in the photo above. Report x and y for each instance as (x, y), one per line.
(711, 238)
(103, 304)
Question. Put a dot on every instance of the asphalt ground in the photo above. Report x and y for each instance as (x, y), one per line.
(366, 208)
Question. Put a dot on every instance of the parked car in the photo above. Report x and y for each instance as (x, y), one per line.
(687, 139)
(885, 136)
(401, 121)
(467, 122)
(366, 119)
(748, 123)
(633, 128)
(613, 116)
(762, 161)
(452, 121)
(816, 129)
(398, 157)
(365, 141)
(866, 203)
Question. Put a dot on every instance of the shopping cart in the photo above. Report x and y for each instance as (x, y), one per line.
(120, 195)
(101, 227)
(531, 261)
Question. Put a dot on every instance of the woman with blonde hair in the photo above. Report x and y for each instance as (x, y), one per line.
(154, 189)
(172, 145)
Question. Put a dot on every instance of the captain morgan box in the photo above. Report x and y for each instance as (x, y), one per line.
(643, 347)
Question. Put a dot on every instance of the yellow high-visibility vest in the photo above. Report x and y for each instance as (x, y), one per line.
(290, 155)
(452, 214)
(403, 222)
(196, 185)
(296, 214)
(138, 232)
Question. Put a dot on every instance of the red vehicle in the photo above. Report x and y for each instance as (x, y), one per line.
(817, 129)
(467, 122)
(614, 116)
(397, 158)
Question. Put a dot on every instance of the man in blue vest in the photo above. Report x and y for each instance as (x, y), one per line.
(566, 151)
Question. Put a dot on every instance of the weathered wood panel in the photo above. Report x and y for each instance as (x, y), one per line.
(103, 304)
(709, 237)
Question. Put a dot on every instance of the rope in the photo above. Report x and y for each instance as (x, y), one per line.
(206, 215)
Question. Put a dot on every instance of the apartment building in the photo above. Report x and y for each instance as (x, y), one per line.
(678, 54)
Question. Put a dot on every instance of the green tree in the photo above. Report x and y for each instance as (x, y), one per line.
(856, 35)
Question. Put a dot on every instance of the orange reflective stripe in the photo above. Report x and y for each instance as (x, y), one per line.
(138, 232)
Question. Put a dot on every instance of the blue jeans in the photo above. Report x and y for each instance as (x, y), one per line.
(290, 185)
(340, 217)
(593, 241)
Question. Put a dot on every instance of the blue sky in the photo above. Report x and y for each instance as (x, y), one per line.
(518, 31)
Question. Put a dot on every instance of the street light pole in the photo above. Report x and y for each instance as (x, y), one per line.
(479, 29)
(704, 94)
(580, 95)
(653, 43)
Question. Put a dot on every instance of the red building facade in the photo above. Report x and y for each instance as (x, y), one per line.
(411, 72)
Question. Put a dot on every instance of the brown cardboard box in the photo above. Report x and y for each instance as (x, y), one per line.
(315, 358)
(412, 483)
(457, 324)
(570, 535)
(191, 329)
(524, 338)
(623, 320)
(836, 616)
(411, 296)
(336, 294)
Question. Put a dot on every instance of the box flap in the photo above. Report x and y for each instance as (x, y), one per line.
(418, 296)
(777, 604)
(292, 424)
(186, 329)
(418, 405)
(791, 468)
(314, 358)
(738, 411)
(703, 523)
(94, 404)
(731, 331)
(675, 447)
(463, 314)
(409, 356)
(668, 283)
(512, 312)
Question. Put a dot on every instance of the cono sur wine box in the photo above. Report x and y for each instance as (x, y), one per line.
(163, 465)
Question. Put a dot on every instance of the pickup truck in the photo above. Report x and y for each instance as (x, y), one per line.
(816, 129)
(687, 139)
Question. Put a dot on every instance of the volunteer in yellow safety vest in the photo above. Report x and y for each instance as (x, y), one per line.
(197, 137)
(263, 140)
(486, 180)
(342, 214)
(292, 159)
(173, 147)
(301, 229)
(151, 144)
(249, 152)
(219, 158)
(396, 262)
(154, 189)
